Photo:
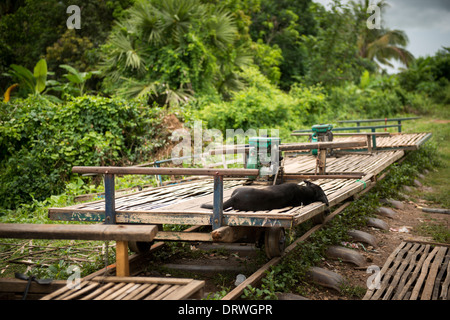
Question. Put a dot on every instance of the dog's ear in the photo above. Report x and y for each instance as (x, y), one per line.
(308, 183)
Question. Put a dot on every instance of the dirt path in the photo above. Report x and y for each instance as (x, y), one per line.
(404, 226)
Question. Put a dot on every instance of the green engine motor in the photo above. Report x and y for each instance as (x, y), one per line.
(264, 155)
(321, 133)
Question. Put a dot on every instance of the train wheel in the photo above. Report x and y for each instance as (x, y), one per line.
(274, 242)
(318, 218)
(139, 247)
(142, 247)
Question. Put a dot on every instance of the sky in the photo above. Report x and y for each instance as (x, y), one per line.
(426, 23)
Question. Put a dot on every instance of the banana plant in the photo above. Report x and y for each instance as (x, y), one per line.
(29, 82)
(35, 82)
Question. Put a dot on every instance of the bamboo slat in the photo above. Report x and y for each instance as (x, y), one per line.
(130, 288)
(180, 204)
(414, 271)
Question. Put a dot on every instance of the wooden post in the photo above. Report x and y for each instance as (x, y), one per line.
(322, 158)
(369, 144)
(374, 140)
(122, 263)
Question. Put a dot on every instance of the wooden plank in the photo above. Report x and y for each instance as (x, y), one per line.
(122, 264)
(429, 284)
(69, 291)
(80, 292)
(321, 145)
(187, 291)
(98, 292)
(17, 287)
(119, 292)
(183, 236)
(445, 286)
(370, 292)
(78, 232)
(62, 291)
(167, 171)
(405, 274)
(151, 280)
(403, 293)
(389, 269)
(437, 283)
(135, 292)
(149, 288)
(166, 292)
(158, 292)
(423, 274)
(404, 263)
(110, 291)
(128, 291)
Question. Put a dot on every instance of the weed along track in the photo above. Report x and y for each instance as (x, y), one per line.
(182, 250)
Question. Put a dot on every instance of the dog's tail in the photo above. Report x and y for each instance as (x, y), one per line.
(227, 204)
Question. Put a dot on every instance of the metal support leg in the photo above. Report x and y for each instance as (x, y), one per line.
(110, 206)
(217, 202)
(374, 140)
(158, 177)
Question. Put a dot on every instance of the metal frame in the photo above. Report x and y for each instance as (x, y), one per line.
(110, 213)
(399, 121)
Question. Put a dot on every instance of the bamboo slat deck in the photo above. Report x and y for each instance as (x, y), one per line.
(130, 288)
(414, 271)
(180, 204)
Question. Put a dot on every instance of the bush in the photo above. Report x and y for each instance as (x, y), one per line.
(352, 102)
(41, 141)
(261, 105)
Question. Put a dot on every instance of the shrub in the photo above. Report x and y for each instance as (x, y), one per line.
(351, 102)
(261, 105)
(41, 141)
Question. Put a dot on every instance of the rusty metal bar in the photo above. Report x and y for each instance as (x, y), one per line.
(321, 145)
(167, 171)
(217, 216)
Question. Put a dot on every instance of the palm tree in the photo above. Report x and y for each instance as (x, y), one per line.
(381, 44)
(175, 47)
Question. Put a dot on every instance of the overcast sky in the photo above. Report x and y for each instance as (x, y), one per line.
(427, 23)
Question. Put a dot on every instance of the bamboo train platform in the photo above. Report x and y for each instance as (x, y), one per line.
(180, 204)
(414, 271)
(341, 176)
(130, 288)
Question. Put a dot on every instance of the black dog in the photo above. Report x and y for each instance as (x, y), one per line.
(274, 197)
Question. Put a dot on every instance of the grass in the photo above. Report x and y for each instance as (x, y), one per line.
(438, 179)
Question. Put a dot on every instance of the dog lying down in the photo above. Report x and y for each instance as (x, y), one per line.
(273, 197)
